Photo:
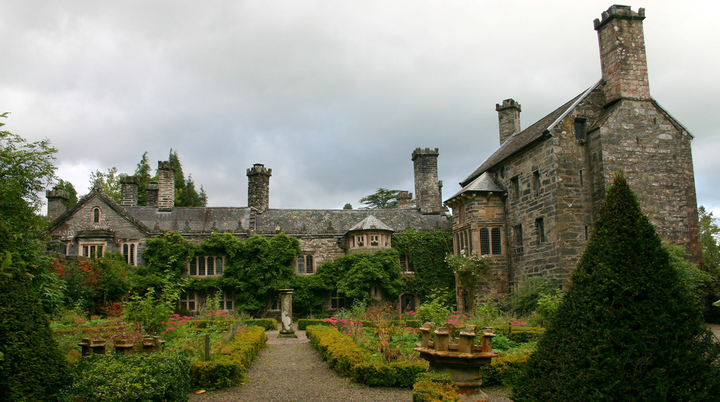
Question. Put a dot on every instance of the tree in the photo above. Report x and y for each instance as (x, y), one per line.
(142, 173)
(108, 183)
(628, 329)
(709, 232)
(347, 206)
(31, 365)
(189, 196)
(382, 199)
(72, 193)
(26, 169)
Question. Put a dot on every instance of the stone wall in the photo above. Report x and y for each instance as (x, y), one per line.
(655, 154)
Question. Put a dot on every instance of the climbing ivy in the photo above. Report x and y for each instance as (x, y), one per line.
(426, 252)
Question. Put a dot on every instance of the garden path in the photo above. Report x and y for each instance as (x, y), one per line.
(290, 370)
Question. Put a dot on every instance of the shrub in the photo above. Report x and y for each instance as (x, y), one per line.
(31, 366)
(434, 387)
(270, 324)
(504, 370)
(352, 361)
(306, 322)
(162, 376)
(525, 299)
(226, 369)
(395, 374)
(522, 334)
(627, 329)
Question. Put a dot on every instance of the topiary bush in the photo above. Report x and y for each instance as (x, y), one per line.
(31, 366)
(628, 329)
(163, 376)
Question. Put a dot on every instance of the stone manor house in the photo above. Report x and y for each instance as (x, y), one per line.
(528, 208)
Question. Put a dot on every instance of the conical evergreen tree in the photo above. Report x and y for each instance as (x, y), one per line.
(31, 365)
(627, 330)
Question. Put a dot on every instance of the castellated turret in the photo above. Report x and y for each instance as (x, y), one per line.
(166, 186)
(259, 187)
(428, 189)
(622, 53)
(57, 202)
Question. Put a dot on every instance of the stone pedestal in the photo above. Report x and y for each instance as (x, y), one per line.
(286, 322)
(460, 357)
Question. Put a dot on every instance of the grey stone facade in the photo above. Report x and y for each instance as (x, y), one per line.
(96, 222)
(545, 184)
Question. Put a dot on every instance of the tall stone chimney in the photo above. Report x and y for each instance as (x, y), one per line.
(259, 187)
(129, 191)
(57, 202)
(166, 186)
(622, 53)
(428, 189)
(509, 118)
(151, 194)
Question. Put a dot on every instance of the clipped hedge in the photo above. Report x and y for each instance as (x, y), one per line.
(352, 361)
(504, 370)
(306, 322)
(434, 387)
(522, 334)
(226, 369)
(270, 324)
(162, 376)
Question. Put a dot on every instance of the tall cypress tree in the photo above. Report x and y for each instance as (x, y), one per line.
(628, 329)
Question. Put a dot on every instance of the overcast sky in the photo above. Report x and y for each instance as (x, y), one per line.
(332, 95)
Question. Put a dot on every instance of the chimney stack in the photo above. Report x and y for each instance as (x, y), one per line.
(428, 189)
(57, 202)
(166, 186)
(404, 200)
(259, 187)
(129, 191)
(509, 118)
(622, 53)
(151, 194)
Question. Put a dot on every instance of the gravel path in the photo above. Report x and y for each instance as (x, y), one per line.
(290, 370)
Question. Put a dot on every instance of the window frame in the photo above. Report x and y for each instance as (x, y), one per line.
(84, 249)
(540, 230)
(96, 215)
(308, 262)
(194, 267)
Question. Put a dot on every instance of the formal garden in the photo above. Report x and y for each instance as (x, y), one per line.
(629, 327)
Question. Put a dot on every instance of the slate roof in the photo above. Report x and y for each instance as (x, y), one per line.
(340, 221)
(519, 141)
(188, 219)
(370, 223)
(485, 183)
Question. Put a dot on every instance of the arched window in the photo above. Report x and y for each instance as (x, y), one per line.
(96, 215)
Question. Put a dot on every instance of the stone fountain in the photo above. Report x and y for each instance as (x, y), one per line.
(460, 357)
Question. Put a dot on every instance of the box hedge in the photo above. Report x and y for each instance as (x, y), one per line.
(162, 376)
(226, 369)
(504, 370)
(434, 387)
(352, 361)
(521, 334)
(306, 322)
